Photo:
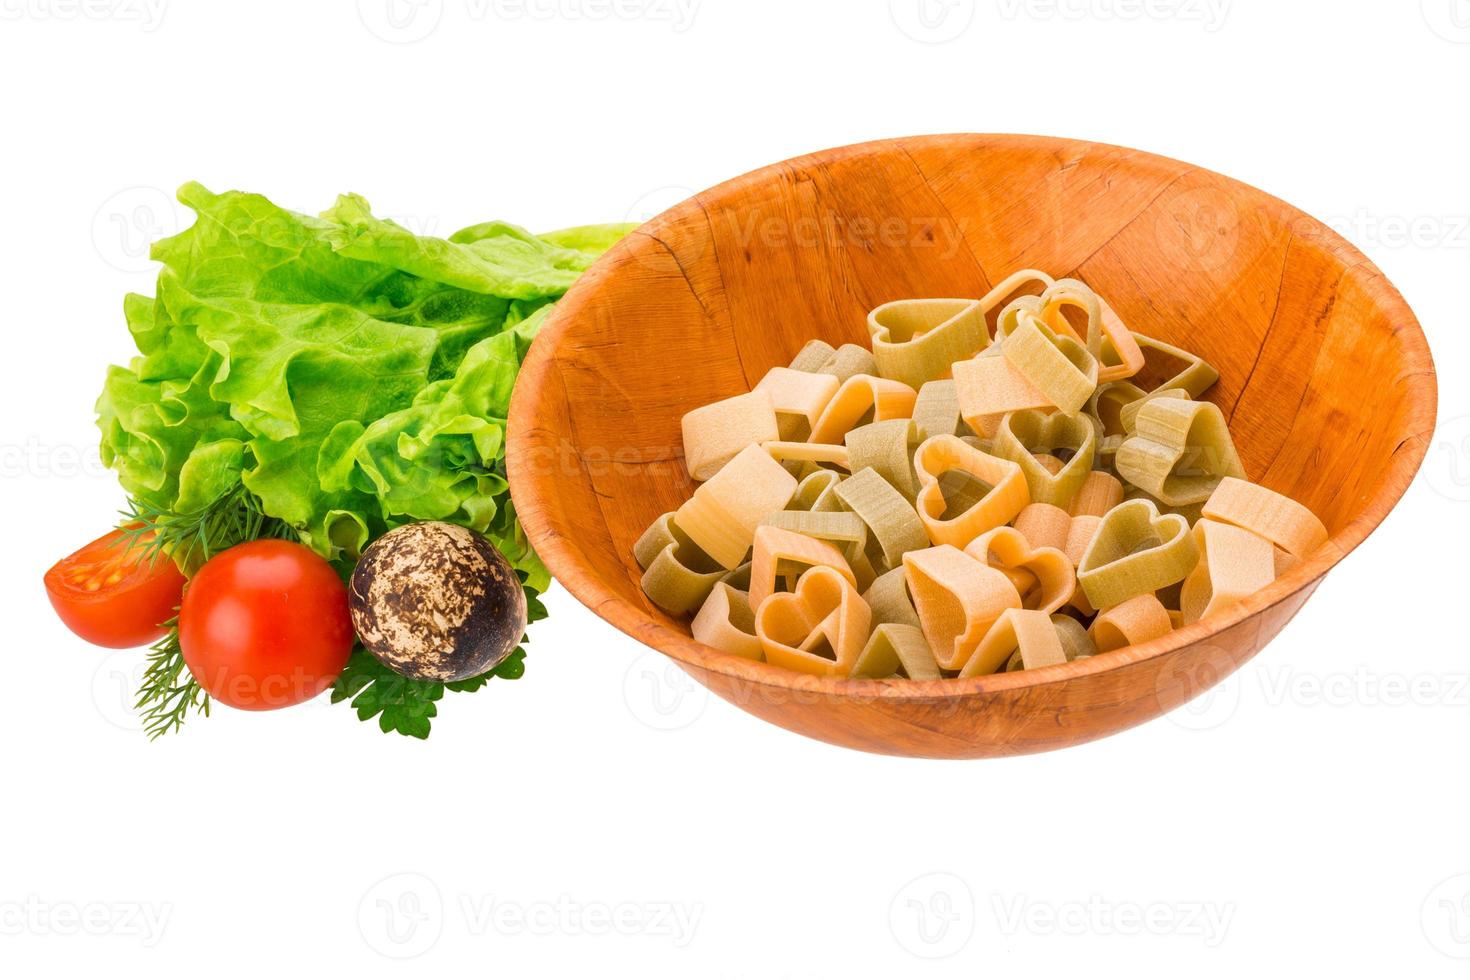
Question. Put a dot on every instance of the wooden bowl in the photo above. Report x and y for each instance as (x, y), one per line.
(1325, 377)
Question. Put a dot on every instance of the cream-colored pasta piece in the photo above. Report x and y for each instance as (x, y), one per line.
(823, 454)
(1025, 433)
(888, 597)
(849, 361)
(862, 399)
(715, 433)
(992, 494)
(723, 514)
(937, 410)
(677, 574)
(1022, 283)
(987, 388)
(1100, 492)
(819, 628)
(893, 526)
(797, 397)
(1136, 620)
(917, 340)
(1275, 517)
(896, 650)
(1045, 526)
(1233, 564)
(1135, 550)
(1179, 451)
(1052, 578)
(726, 622)
(888, 449)
(1016, 631)
(813, 356)
(817, 492)
(958, 599)
(845, 531)
(781, 556)
(1057, 366)
(1108, 402)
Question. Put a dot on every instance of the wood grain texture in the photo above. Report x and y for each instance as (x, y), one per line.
(1325, 376)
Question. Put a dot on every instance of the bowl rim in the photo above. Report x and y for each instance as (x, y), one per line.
(563, 558)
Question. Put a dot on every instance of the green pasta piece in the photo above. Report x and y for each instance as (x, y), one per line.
(888, 597)
(888, 448)
(937, 409)
(1128, 414)
(1058, 367)
(1108, 401)
(1021, 434)
(916, 340)
(849, 360)
(1179, 451)
(895, 650)
(1135, 550)
(1195, 377)
(815, 491)
(813, 356)
(893, 524)
(677, 574)
(738, 577)
(844, 530)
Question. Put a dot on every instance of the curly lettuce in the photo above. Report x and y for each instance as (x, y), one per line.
(350, 374)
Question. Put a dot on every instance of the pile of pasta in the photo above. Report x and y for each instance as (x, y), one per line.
(987, 489)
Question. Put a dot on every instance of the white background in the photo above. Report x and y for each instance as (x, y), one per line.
(1309, 814)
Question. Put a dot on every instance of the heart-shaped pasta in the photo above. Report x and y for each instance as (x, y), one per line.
(957, 599)
(1049, 578)
(1026, 632)
(863, 398)
(964, 492)
(1135, 550)
(1022, 434)
(917, 340)
(1179, 451)
(819, 628)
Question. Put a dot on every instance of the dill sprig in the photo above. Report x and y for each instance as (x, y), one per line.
(168, 693)
(192, 539)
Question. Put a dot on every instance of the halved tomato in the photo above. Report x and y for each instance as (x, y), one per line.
(114, 593)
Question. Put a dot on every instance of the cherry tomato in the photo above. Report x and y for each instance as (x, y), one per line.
(265, 625)
(113, 593)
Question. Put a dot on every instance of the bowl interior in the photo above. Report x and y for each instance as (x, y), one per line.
(1324, 374)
